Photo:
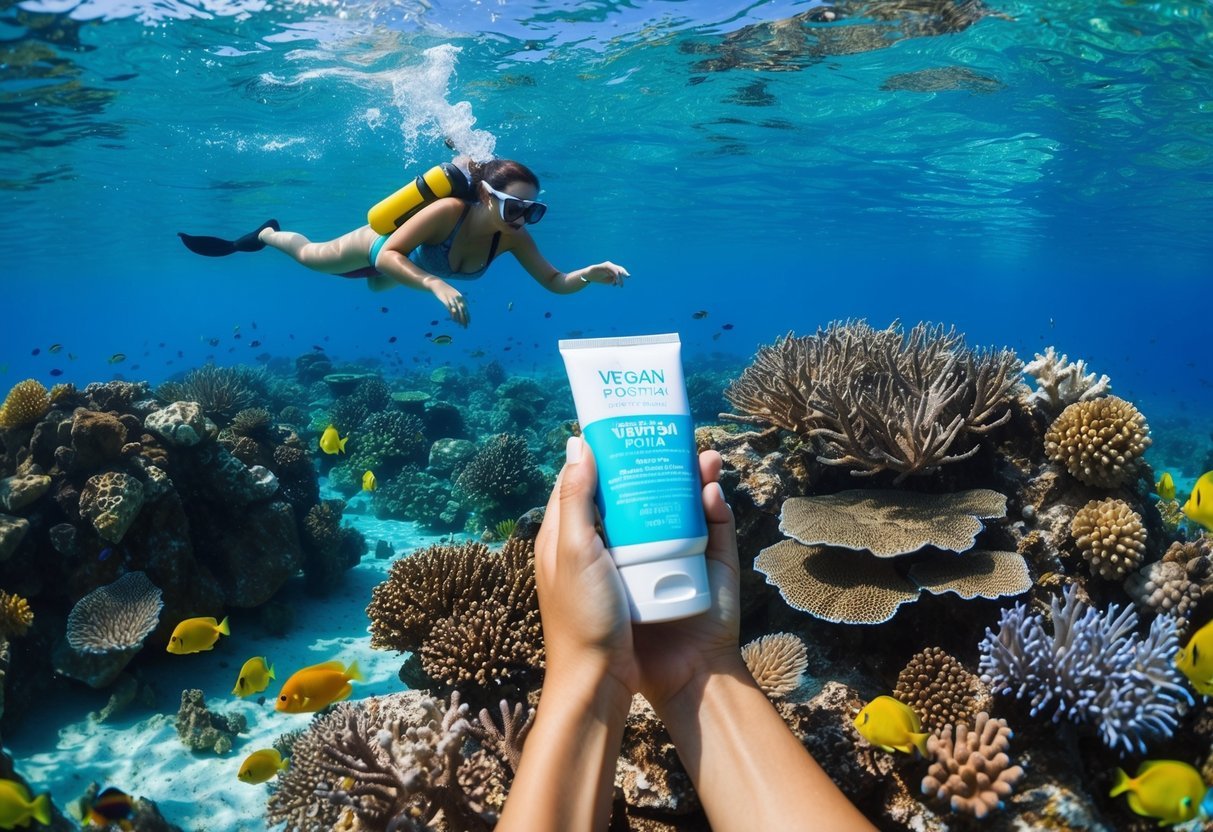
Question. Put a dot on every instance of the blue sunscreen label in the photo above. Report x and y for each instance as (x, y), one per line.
(652, 470)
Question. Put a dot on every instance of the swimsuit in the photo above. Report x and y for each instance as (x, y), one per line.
(435, 259)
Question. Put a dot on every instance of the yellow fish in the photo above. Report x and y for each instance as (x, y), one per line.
(261, 766)
(193, 635)
(1165, 789)
(1165, 486)
(16, 806)
(891, 725)
(1196, 660)
(1199, 508)
(254, 677)
(316, 687)
(368, 481)
(331, 443)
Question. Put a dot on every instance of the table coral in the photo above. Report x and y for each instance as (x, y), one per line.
(1100, 442)
(107, 627)
(972, 770)
(26, 403)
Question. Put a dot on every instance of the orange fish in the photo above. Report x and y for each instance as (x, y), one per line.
(316, 687)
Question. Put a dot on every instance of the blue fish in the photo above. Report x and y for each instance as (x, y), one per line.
(105, 553)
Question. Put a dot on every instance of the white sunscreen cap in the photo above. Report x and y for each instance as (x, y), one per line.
(663, 590)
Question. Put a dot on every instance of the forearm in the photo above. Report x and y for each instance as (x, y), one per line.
(566, 283)
(566, 777)
(749, 769)
(405, 272)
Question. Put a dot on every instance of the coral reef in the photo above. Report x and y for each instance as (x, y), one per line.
(1110, 536)
(470, 613)
(1177, 582)
(501, 482)
(26, 403)
(1093, 669)
(1100, 442)
(329, 547)
(111, 501)
(971, 770)
(202, 730)
(221, 391)
(1061, 382)
(776, 662)
(939, 689)
(107, 627)
(875, 400)
(15, 615)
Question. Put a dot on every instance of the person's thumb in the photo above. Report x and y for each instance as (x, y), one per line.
(578, 484)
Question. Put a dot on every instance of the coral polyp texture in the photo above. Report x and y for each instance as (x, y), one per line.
(1061, 382)
(111, 501)
(1100, 442)
(1174, 584)
(939, 689)
(972, 771)
(879, 400)
(1110, 536)
(470, 613)
(25, 404)
(1093, 669)
(115, 617)
(776, 662)
(15, 615)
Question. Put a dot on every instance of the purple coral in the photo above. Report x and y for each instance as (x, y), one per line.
(1094, 669)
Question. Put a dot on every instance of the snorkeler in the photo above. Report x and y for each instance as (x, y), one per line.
(447, 239)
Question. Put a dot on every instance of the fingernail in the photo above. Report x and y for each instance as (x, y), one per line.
(572, 450)
(720, 491)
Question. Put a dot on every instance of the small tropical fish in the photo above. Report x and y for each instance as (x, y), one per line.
(726, 326)
(194, 635)
(392, 340)
(715, 336)
(17, 807)
(547, 314)
(383, 309)
(509, 307)
(1199, 508)
(477, 354)
(1165, 486)
(368, 481)
(214, 342)
(56, 372)
(317, 348)
(1195, 660)
(254, 677)
(441, 340)
(117, 358)
(105, 553)
(71, 356)
(235, 327)
(434, 322)
(237, 336)
(112, 806)
(1165, 789)
(254, 323)
(254, 344)
(331, 443)
(700, 315)
(890, 724)
(54, 348)
(261, 766)
(316, 687)
(35, 351)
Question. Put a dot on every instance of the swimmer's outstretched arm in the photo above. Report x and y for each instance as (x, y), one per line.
(564, 283)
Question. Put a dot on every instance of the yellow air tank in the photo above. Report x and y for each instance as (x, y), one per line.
(439, 181)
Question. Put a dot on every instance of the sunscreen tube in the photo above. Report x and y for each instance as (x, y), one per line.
(631, 401)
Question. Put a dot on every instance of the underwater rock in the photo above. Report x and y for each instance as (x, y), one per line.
(63, 538)
(312, 366)
(96, 437)
(383, 550)
(444, 419)
(202, 730)
(182, 424)
(19, 491)
(649, 774)
(227, 480)
(254, 553)
(448, 457)
(111, 501)
(12, 532)
(126, 689)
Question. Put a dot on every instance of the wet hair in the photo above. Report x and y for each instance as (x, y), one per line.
(499, 173)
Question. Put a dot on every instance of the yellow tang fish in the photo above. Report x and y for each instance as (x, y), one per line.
(331, 443)
(1199, 508)
(1165, 486)
(1196, 660)
(891, 725)
(254, 677)
(368, 481)
(16, 806)
(261, 766)
(193, 635)
(1165, 789)
(316, 687)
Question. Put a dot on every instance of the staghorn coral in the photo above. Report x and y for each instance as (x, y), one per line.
(776, 662)
(878, 400)
(471, 614)
(939, 689)
(1093, 669)
(1100, 442)
(1110, 536)
(15, 615)
(115, 617)
(26, 403)
(1060, 382)
(972, 771)
(891, 523)
(222, 391)
(294, 801)
(1177, 582)
(111, 501)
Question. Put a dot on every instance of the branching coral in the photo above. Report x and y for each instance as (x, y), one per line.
(25, 404)
(776, 662)
(1100, 442)
(471, 614)
(1060, 382)
(1110, 536)
(15, 615)
(1093, 669)
(876, 400)
(972, 771)
(939, 689)
(502, 480)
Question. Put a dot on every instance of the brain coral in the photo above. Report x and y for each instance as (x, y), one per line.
(776, 662)
(1099, 441)
(112, 501)
(972, 771)
(115, 617)
(940, 690)
(25, 404)
(1110, 536)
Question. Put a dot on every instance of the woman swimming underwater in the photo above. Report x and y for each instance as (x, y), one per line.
(449, 238)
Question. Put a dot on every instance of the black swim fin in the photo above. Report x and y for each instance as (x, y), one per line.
(219, 247)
